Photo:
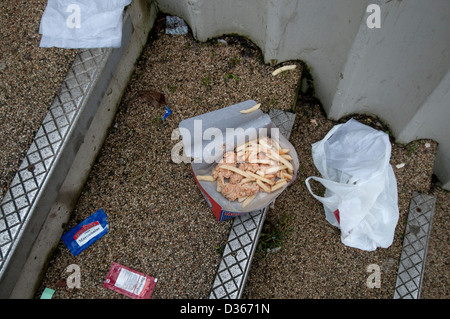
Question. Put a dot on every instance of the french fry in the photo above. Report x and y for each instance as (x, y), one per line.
(236, 170)
(275, 169)
(284, 68)
(242, 147)
(283, 151)
(263, 186)
(207, 178)
(248, 200)
(281, 180)
(255, 149)
(263, 142)
(240, 153)
(263, 161)
(241, 199)
(280, 174)
(247, 180)
(276, 145)
(260, 173)
(287, 176)
(287, 156)
(257, 177)
(277, 157)
(252, 109)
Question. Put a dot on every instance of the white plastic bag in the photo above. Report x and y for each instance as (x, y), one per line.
(361, 190)
(75, 24)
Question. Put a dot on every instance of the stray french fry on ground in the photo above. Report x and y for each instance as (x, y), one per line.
(253, 108)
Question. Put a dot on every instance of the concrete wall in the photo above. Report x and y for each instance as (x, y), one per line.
(399, 72)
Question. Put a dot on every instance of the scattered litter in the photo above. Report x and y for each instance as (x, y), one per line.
(223, 41)
(253, 108)
(400, 165)
(76, 24)
(86, 233)
(314, 122)
(129, 282)
(176, 25)
(427, 145)
(167, 113)
(360, 186)
(47, 293)
(61, 283)
(284, 68)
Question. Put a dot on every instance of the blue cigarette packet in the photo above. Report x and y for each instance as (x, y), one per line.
(86, 233)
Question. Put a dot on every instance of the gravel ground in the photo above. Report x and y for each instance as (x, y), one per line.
(161, 225)
(29, 78)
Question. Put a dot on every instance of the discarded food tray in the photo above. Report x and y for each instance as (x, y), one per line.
(211, 139)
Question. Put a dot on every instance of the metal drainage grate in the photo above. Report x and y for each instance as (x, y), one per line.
(415, 246)
(242, 241)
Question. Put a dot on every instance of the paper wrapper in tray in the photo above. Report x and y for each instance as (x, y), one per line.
(198, 142)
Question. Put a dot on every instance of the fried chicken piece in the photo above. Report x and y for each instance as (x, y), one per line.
(249, 167)
(229, 158)
(235, 178)
(234, 191)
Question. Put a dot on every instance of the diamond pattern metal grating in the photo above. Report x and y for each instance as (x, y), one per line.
(17, 204)
(415, 246)
(242, 241)
(236, 259)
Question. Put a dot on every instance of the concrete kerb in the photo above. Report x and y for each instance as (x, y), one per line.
(82, 112)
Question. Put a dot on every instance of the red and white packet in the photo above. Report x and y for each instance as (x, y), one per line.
(129, 282)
